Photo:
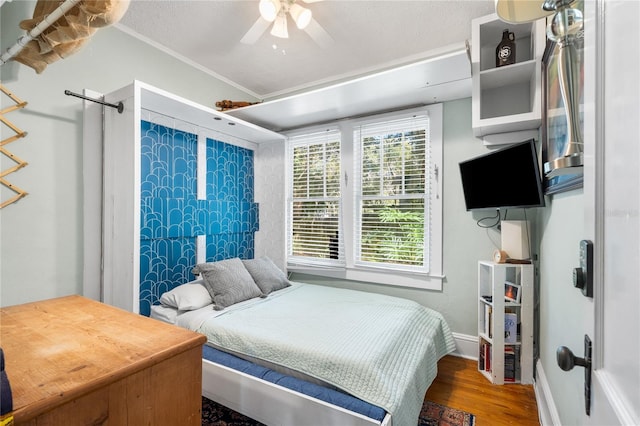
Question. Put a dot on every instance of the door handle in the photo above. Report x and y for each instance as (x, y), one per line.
(567, 360)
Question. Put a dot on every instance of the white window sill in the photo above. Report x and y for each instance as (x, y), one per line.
(394, 278)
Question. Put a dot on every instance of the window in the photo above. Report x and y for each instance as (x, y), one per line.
(391, 161)
(314, 207)
(364, 199)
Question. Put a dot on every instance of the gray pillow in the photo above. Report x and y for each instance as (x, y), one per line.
(266, 274)
(228, 282)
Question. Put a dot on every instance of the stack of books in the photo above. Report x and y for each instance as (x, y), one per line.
(510, 364)
(484, 362)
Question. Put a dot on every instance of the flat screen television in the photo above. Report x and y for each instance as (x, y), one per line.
(506, 178)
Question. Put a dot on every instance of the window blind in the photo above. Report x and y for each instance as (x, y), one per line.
(391, 193)
(314, 219)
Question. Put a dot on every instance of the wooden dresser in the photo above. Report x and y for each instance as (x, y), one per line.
(74, 361)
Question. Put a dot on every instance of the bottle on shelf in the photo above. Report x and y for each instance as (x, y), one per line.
(506, 49)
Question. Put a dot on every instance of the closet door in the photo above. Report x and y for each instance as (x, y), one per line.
(194, 188)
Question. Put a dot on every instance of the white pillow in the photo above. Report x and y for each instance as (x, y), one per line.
(187, 297)
(164, 313)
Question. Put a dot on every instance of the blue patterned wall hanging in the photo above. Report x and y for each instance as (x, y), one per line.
(172, 216)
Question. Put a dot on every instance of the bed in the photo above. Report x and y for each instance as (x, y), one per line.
(285, 352)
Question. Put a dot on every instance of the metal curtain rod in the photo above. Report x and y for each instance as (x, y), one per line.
(119, 106)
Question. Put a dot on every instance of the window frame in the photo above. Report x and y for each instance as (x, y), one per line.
(315, 136)
(386, 126)
(431, 280)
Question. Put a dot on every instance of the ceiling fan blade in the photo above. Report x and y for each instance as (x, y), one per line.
(318, 34)
(254, 33)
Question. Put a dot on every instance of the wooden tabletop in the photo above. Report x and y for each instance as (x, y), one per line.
(58, 349)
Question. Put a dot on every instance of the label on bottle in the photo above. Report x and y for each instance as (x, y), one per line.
(506, 50)
(504, 53)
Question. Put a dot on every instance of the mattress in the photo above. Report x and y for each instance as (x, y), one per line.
(332, 396)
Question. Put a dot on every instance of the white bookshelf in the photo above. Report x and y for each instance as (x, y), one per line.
(506, 99)
(494, 348)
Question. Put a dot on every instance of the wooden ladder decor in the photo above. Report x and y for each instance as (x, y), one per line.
(18, 104)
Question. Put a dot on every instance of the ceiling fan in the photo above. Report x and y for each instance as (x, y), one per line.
(276, 11)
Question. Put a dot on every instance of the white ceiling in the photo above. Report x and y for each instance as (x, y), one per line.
(368, 36)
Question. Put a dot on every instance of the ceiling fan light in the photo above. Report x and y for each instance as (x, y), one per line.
(301, 15)
(269, 9)
(279, 28)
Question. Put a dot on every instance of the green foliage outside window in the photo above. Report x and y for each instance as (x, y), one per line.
(392, 221)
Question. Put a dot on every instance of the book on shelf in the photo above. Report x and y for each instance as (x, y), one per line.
(484, 360)
(487, 357)
(488, 318)
(510, 327)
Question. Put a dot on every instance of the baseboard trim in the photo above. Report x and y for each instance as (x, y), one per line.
(466, 346)
(547, 410)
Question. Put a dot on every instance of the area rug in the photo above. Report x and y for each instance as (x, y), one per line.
(432, 414)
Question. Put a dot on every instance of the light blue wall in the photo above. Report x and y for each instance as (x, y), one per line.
(41, 247)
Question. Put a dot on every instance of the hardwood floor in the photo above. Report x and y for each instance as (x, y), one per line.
(459, 385)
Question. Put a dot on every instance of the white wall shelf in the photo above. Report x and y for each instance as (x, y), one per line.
(508, 98)
(506, 76)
